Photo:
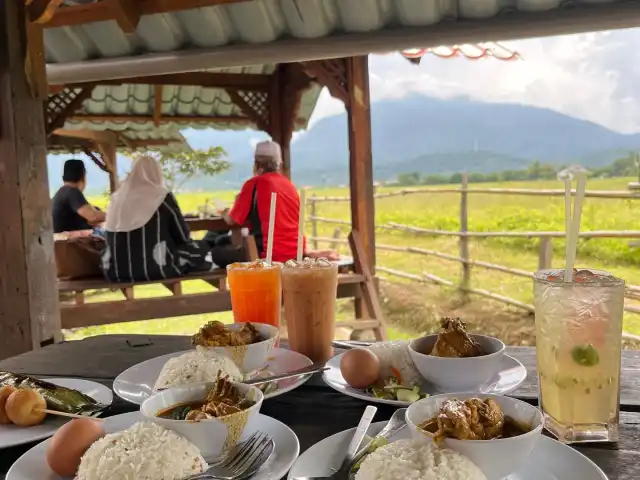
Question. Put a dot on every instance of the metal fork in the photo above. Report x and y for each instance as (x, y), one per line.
(243, 461)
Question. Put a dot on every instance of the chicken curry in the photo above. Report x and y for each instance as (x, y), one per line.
(223, 399)
(455, 342)
(473, 419)
(217, 334)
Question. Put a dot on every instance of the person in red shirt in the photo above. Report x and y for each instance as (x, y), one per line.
(252, 204)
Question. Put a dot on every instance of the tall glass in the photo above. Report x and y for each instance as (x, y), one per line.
(256, 292)
(310, 291)
(579, 342)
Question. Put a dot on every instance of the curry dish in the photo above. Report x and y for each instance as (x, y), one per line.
(454, 341)
(473, 419)
(223, 399)
(217, 334)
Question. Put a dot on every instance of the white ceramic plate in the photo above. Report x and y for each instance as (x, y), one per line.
(136, 383)
(12, 435)
(550, 460)
(512, 373)
(33, 464)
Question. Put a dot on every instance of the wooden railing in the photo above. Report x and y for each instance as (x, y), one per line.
(545, 250)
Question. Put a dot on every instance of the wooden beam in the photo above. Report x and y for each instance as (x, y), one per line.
(42, 11)
(157, 105)
(151, 142)
(29, 314)
(360, 160)
(106, 136)
(103, 11)
(165, 119)
(236, 81)
(109, 155)
(126, 13)
(331, 74)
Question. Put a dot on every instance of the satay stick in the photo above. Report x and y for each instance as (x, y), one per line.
(64, 414)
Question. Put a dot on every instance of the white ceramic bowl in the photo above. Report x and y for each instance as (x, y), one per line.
(253, 357)
(457, 374)
(212, 436)
(496, 458)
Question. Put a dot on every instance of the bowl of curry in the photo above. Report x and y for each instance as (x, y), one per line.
(249, 345)
(214, 416)
(497, 433)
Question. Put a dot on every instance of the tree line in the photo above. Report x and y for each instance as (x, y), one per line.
(628, 166)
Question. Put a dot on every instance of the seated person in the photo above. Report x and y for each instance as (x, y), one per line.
(71, 211)
(254, 201)
(146, 235)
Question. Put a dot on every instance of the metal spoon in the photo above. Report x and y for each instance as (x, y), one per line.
(396, 423)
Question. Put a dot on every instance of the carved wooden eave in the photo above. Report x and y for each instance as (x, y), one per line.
(62, 105)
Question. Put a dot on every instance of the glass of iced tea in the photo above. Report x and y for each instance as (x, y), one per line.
(579, 342)
(256, 292)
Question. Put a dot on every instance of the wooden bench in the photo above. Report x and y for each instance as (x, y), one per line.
(77, 312)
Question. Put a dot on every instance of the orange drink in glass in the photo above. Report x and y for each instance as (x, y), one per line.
(256, 292)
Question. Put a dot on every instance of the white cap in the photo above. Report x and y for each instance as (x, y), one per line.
(269, 149)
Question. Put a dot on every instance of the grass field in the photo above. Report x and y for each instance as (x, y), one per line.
(413, 308)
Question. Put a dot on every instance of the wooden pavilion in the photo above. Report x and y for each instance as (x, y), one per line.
(54, 54)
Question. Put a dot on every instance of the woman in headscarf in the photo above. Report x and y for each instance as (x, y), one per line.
(146, 235)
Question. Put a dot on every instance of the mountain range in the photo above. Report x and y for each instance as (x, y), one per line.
(417, 134)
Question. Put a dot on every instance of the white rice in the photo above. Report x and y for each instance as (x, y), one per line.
(396, 354)
(412, 460)
(200, 365)
(146, 451)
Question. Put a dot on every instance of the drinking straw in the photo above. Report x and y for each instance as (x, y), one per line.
(272, 220)
(301, 224)
(572, 234)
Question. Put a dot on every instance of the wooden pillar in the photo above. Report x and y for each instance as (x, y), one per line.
(109, 154)
(29, 314)
(360, 159)
(277, 120)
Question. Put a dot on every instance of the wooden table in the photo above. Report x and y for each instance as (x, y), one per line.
(306, 410)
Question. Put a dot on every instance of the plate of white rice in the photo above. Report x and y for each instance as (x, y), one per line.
(202, 365)
(135, 449)
(404, 459)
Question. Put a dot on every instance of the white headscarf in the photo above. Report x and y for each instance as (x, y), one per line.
(138, 198)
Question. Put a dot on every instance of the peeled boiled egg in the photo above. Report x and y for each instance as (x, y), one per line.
(360, 367)
(69, 444)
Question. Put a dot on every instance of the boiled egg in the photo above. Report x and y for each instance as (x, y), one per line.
(360, 367)
(69, 444)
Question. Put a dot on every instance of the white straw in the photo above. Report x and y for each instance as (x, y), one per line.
(567, 226)
(272, 220)
(575, 227)
(301, 224)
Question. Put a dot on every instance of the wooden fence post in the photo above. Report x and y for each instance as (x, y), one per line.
(545, 253)
(314, 223)
(336, 236)
(465, 281)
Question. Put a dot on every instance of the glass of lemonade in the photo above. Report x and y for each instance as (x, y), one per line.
(578, 343)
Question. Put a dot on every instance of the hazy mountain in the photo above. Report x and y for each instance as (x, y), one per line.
(423, 134)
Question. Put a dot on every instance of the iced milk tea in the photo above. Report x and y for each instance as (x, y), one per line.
(310, 290)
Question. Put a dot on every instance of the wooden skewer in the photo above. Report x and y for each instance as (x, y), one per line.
(64, 414)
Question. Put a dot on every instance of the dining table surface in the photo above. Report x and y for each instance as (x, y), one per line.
(313, 411)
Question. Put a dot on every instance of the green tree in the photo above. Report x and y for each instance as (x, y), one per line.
(411, 178)
(180, 167)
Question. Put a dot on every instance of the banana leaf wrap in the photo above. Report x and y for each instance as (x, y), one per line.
(60, 399)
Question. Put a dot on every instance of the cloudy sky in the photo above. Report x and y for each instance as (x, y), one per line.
(589, 76)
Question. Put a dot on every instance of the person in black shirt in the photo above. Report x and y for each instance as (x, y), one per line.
(71, 211)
